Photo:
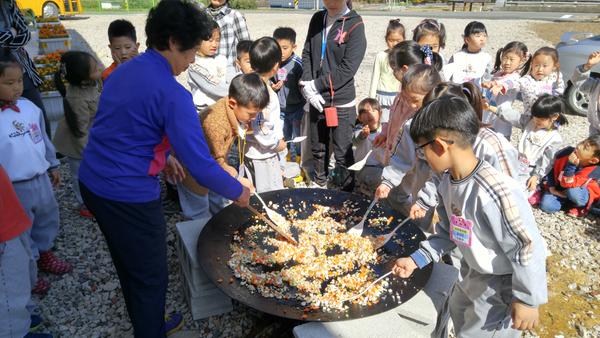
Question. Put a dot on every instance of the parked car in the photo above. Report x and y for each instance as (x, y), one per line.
(573, 50)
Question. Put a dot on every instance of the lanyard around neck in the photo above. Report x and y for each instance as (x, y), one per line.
(324, 38)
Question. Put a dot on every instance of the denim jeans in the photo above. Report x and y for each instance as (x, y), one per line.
(291, 129)
(578, 197)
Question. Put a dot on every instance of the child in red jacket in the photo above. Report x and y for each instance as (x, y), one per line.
(573, 180)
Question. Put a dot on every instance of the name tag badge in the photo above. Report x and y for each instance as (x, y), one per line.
(35, 133)
(523, 164)
(461, 231)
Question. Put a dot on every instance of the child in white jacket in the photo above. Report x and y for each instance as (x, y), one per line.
(265, 141)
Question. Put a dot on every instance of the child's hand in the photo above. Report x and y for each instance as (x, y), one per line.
(382, 191)
(416, 212)
(404, 267)
(497, 89)
(593, 60)
(524, 317)
(573, 159)
(487, 85)
(532, 183)
(277, 86)
(281, 146)
(55, 177)
(379, 140)
(555, 192)
(174, 170)
(365, 131)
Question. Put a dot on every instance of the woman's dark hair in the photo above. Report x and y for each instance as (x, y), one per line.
(75, 68)
(121, 28)
(249, 90)
(420, 78)
(8, 61)
(468, 91)
(408, 53)
(518, 48)
(430, 27)
(547, 105)
(265, 53)
(395, 25)
(179, 20)
(449, 113)
(472, 28)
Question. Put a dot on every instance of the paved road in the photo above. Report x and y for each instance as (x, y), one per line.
(475, 15)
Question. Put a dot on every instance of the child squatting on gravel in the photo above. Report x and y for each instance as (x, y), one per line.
(573, 180)
(485, 214)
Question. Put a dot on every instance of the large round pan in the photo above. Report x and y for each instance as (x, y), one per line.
(217, 235)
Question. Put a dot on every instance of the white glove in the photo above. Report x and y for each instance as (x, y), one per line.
(317, 101)
(308, 89)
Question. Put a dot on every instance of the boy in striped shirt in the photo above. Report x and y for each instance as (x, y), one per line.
(485, 214)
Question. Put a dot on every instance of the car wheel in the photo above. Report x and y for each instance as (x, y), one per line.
(50, 10)
(577, 101)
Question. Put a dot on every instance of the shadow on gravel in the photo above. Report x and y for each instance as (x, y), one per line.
(594, 229)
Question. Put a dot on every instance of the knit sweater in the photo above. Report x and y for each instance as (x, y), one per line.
(220, 130)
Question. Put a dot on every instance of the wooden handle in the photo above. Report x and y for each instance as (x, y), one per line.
(273, 225)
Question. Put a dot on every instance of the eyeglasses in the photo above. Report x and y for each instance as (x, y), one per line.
(419, 149)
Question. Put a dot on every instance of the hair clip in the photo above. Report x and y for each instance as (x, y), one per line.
(426, 49)
(466, 91)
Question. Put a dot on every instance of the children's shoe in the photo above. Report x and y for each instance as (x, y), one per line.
(535, 199)
(577, 212)
(173, 323)
(41, 287)
(38, 335)
(84, 212)
(36, 323)
(48, 262)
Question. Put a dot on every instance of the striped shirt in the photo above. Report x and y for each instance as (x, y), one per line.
(233, 29)
(16, 42)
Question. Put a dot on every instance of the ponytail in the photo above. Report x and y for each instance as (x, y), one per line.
(75, 69)
(473, 95)
(498, 62)
(70, 116)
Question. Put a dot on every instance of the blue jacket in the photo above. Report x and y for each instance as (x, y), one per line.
(143, 111)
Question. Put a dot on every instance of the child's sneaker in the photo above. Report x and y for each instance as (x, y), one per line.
(36, 323)
(535, 199)
(84, 212)
(41, 287)
(48, 262)
(173, 323)
(577, 212)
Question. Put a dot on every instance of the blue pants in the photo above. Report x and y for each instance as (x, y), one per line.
(15, 287)
(136, 237)
(37, 198)
(193, 206)
(291, 129)
(577, 196)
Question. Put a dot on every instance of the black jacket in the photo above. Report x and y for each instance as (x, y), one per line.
(342, 56)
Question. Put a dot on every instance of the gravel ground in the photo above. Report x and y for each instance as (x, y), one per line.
(88, 303)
